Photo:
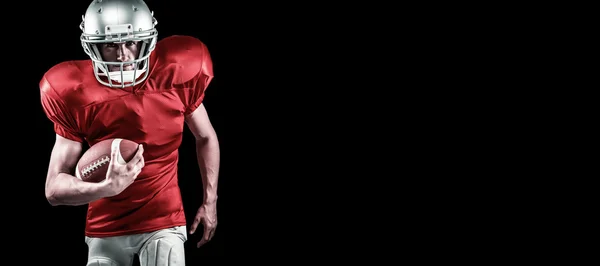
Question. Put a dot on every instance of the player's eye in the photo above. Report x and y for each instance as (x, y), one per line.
(130, 43)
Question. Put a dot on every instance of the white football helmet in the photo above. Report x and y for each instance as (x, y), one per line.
(109, 21)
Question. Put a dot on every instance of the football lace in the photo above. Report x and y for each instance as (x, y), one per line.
(97, 164)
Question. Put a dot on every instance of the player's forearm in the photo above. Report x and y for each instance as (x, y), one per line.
(65, 189)
(208, 153)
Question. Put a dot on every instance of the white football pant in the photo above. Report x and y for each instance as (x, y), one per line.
(160, 248)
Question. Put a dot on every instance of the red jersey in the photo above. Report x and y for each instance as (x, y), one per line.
(151, 113)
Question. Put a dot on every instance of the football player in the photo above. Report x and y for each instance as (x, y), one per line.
(138, 88)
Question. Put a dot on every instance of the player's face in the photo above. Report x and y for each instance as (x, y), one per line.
(120, 52)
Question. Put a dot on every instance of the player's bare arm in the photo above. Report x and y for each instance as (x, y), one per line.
(62, 188)
(208, 154)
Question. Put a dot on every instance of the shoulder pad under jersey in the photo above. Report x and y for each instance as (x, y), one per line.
(186, 55)
(62, 75)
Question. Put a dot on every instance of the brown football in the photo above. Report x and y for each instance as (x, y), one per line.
(93, 164)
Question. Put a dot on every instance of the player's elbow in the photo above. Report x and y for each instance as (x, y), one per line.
(51, 197)
(207, 140)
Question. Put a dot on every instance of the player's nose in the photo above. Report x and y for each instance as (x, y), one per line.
(122, 56)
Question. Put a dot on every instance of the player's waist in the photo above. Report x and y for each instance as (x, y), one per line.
(117, 217)
(160, 196)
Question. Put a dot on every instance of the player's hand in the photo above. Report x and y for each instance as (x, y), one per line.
(207, 215)
(120, 175)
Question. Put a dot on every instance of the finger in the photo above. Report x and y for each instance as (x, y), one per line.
(135, 167)
(136, 173)
(140, 150)
(201, 242)
(141, 164)
(194, 226)
(139, 155)
(206, 237)
(212, 232)
(142, 161)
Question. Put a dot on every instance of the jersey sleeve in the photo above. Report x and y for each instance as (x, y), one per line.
(56, 110)
(198, 85)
